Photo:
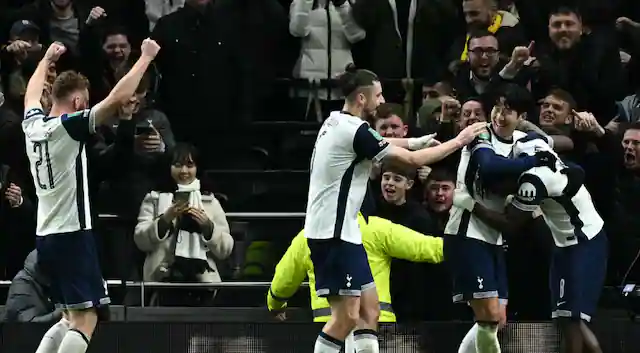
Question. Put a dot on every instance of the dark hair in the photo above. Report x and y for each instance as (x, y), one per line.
(181, 154)
(480, 33)
(632, 126)
(564, 96)
(114, 30)
(565, 10)
(353, 80)
(68, 82)
(441, 174)
(399, 168)
(386, 110)
(474, 99)
(516, 98)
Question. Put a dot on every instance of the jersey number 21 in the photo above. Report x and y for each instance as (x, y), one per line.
(44, 162)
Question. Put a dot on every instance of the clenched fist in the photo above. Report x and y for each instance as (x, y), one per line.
(55, 50)
(150, 48)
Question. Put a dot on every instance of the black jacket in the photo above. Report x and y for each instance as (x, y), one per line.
(28, 299)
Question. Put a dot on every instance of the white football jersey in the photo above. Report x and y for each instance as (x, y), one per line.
(462, 222)
(563, 200)
(341, 164)
(57, 154)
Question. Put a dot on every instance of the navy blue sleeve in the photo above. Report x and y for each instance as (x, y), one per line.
(490, 163)
(368, 144)
(79, 125)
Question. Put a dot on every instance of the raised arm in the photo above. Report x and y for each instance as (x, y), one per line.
(434, 154)
(126, 87)
(35, 87)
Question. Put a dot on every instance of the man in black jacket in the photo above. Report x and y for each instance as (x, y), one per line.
(28, 301)
(28, 298)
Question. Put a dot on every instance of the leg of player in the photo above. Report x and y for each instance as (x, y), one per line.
(487, 315)
(589, 338)
(344, 317)
(52, 339)
(366, 334)
(83, 323)
(577, 274)
(468, 344)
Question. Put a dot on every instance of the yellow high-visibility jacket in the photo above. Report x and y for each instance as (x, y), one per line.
(382, 241)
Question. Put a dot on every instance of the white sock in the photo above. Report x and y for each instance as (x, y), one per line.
(74, 342)
(52, 339)
(487, 338)
(366, 341)
(324, 344)
(468, 344)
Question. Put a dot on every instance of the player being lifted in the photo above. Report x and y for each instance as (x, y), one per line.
(56, 147)
(473, 249)
(579, 259)
(341, 164)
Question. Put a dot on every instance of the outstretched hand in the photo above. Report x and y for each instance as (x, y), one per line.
(471, 132)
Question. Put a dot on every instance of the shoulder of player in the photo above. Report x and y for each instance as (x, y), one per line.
(523, 137)
(538, 177)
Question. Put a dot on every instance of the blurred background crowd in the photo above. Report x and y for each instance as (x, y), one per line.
(241, 87)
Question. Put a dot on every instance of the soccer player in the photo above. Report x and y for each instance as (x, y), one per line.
(341, 163)
(57, 153)
(473, 249)
(579, 260)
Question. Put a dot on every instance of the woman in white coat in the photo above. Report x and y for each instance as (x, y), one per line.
(183, 232)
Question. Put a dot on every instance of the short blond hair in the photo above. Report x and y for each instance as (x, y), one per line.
(68, 82)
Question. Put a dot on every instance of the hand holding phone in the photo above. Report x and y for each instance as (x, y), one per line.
(179, 206)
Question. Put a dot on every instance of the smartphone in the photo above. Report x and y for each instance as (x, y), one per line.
(181, 197)
(145, 130)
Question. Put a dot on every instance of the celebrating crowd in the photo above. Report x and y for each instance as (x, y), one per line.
(225, 65)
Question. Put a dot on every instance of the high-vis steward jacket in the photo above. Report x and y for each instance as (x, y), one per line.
(382, 239)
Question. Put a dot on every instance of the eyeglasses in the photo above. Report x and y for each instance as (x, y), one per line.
(490, 52)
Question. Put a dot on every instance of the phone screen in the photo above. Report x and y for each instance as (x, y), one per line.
(181, 197)
(144, 130)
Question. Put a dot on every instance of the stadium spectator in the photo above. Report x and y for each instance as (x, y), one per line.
(406, 41)
(59, 21)
(28, 299)
(133, 156)
(484, 15)
(156, 9)
(184, 232)
(438, 195)
(556, 110)
(17, 226)
(584, 63)
(224, 55)
(20, 57)
(391, 121)
(625, 223)
(107, 53)
(327, 30)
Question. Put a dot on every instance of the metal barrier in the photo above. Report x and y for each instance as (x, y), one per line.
(144, 285)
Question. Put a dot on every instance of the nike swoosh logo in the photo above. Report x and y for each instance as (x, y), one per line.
(560, 303)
